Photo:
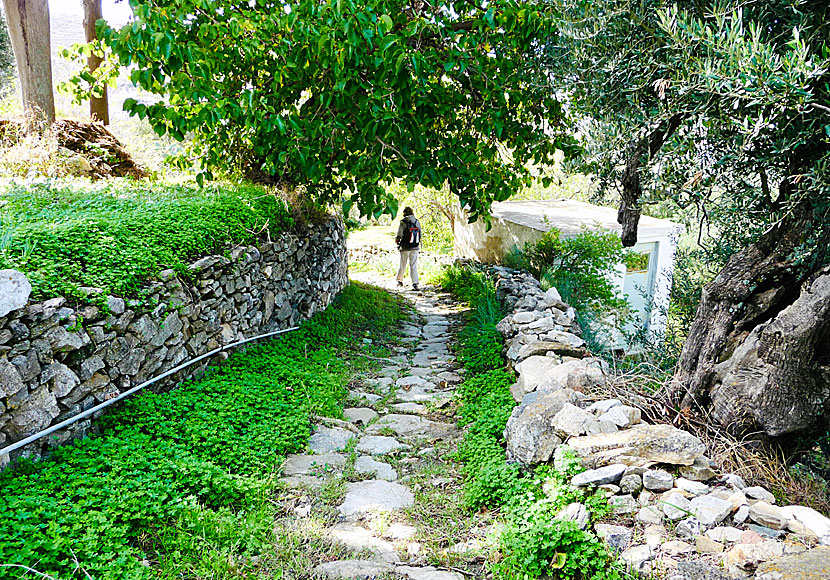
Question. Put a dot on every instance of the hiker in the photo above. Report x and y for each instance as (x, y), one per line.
(408, 240)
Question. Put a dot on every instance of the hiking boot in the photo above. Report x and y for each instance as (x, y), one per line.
(415, 287)
(400, 283)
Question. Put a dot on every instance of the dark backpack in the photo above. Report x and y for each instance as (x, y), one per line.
(411, 235)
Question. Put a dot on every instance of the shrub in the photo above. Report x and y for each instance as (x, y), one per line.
(579, 267)
(544, 547)
(207, 448)
(117, 235)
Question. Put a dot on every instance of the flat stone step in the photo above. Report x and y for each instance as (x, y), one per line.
(358, 539)
(329, 439)
(354, 569)
(370, 398)
(375, 496)
(365, 465)
(427, 573)
(414, 408)
(411, 426)
(360, 415)
(380, 445)
(319, 465)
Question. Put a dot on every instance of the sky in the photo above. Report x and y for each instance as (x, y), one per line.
(114, 12)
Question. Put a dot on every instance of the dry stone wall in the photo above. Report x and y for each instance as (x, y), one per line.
(673, 515)
(57, 359)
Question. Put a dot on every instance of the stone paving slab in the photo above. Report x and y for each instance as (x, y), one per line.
(304, 464)
(411, 426)
(380, 445)
(354, 569)
(329, 439)
(358, 539)
(365, 465)
(375, 496)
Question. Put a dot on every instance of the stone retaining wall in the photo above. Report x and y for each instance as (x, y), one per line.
(58, 359)
(673, 515)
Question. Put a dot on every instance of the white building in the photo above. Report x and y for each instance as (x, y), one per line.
(516, 222)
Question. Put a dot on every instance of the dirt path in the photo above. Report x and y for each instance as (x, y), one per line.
(381, 485)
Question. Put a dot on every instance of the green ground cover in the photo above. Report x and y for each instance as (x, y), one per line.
(182, 484)
(117, 234)
(534, 544)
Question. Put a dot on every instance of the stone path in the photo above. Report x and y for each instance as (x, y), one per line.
(393, 422)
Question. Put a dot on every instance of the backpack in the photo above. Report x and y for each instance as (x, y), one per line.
(412, 235)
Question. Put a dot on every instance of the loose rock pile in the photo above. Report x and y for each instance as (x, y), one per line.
(679, 517)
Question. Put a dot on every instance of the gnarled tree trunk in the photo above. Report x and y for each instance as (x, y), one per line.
(28, 22)
(757, 356)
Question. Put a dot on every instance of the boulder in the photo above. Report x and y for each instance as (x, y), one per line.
(813, 521)
(675, 506)
(616, 537)
(622, 416)
(768, 515)
(710, 510)
(571, 420)
(14, 291)
(533, 371)
(809, 565)
(10, 379)
(641, 445)
(699, 470)
(658, 480)
(747, 557)
(759, 493)
(574, 512)
(529, 435)
(601, 476)
(631, 483)
(542, 347)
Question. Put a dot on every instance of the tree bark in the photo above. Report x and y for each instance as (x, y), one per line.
(98, 106)
(28, 22)
(757, 355)
(638, 153)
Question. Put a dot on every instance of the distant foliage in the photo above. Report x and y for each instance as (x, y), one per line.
(202, 451)
(579, 267)
(117, 235)
(8, 68)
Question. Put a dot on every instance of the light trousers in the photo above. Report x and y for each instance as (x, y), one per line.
(411, 257)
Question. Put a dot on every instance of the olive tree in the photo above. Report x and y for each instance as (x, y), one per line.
(337, 97)
(723, 105)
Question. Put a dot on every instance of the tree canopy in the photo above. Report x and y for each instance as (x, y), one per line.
(722, 105)
(339, 97)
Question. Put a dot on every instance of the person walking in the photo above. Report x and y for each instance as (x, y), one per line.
(409, 241)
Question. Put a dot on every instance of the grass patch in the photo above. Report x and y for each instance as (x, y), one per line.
(187, 476)
(117, 234)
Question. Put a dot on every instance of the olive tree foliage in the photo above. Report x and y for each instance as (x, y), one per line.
(723, 105)
(340, 96)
